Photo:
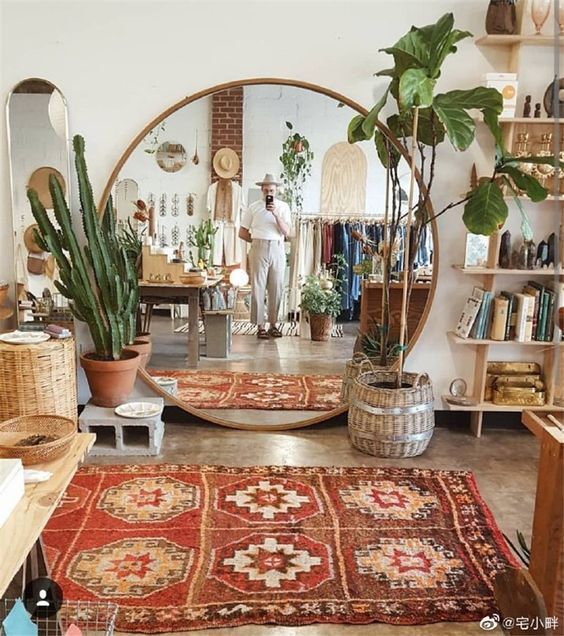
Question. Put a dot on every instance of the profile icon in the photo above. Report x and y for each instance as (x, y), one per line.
(42, 597)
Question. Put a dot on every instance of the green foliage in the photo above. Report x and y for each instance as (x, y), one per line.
(418, 59)
(316, 299)
(372, 342)
(98, 278)
(203, 239)
(296, 161)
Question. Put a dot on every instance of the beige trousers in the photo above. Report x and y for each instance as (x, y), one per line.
(267, 261)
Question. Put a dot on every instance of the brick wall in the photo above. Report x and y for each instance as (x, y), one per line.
(227, 124)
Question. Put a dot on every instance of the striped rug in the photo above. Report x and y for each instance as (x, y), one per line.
(246, 328)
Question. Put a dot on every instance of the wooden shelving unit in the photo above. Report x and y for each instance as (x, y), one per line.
(514, 45)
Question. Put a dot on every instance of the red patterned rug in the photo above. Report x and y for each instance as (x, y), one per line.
(272, 391)
(180, 548)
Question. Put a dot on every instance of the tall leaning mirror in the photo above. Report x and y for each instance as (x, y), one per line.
(252, 309)
(37, 123)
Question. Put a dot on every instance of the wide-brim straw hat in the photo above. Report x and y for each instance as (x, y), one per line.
(29, 240)
(269, 179)
(226, 163)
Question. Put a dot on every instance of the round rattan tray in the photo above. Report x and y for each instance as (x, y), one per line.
(12, 431)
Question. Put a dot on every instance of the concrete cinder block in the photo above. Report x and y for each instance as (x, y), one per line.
(120, 436)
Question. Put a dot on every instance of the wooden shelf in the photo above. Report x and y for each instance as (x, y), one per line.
(529, 39)
(498, 271)
(490, 406)
(526, 120)
(486, 341)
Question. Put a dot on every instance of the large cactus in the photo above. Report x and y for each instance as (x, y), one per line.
(98, 279)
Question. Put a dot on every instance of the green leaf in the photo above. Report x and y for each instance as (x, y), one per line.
(430, 130)
(410, 51)
(370, 121)
(355, 131)
(289, 125)
(443, 40)
(535, 191)
(549, 160)
(452, 107)
(486, 210)
(383, 146)
(416, 89)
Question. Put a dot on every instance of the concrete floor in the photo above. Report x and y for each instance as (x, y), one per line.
(504, 461)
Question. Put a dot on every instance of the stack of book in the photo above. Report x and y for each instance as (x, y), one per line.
(521, 316)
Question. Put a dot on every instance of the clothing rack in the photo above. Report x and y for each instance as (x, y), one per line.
(341, 218)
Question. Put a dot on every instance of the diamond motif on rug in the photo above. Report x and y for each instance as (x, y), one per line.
(275, 563)
(410, 563)
(237, 390)
(149, 499)
(390, 500)
(183, 548)
(269, 500)
(131, 567)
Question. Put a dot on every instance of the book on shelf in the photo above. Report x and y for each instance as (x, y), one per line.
(523, 316)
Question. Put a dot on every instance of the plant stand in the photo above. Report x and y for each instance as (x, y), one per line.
(218, 333)
(119, 436)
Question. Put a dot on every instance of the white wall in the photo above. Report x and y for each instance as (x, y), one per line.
(109, 60)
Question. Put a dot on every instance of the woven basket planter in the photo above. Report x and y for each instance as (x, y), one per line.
(358, 364)
(390, 422)
(37, 379)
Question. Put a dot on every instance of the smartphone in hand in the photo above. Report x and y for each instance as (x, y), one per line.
(269, 200)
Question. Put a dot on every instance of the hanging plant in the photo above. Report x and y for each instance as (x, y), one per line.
(152, 138)
(296, 162)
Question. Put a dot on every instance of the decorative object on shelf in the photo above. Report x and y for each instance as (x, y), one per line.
(181, 252)
(501, 18)
(24, 337)
(195, 159)
(527, 106)
(553, 102)
(296, 160)
(551, 258)
(522, 151)
(537, 114)
(458, 387)
(171, 156)
(544, 170)
(506, 84)
(162, 204)
(505, 250)
(203, 239)
(531, 254)
(542, 255)
(523, 256)
(99, 281)
(175, 209)
(190, 204)
(477, 248)
(540, 10)
(163, 241)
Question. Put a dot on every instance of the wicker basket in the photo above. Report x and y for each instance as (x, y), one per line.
(11, 431)
(389, 422)
(358, 364)
(38, 378)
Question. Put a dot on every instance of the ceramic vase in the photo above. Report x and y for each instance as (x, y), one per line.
(540, 10)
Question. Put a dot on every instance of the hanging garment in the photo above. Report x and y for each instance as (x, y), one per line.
(224, 202)
(317, 247)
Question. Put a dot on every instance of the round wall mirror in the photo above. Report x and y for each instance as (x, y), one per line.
(171, 156)
(203, 291)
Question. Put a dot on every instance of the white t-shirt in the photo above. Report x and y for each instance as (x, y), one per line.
(262, 224)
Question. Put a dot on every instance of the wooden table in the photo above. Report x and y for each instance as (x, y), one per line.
(24, 526)
(179, 294)
(547, 546)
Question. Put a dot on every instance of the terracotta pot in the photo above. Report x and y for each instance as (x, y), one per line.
(143, 346)
(320, 327)
(110, 381)
(298, 147)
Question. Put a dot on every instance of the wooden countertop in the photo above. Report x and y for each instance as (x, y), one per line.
(25, 524)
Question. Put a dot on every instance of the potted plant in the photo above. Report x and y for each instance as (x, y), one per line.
(203, 239)
(99, 281)
(321, 299)
(422, 120)
(296, 159)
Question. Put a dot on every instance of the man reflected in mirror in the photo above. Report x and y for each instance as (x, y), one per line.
(265, 225)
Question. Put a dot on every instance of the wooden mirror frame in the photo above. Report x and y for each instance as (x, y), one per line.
(142, 374)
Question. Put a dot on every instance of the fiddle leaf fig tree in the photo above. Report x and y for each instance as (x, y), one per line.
(433, 117)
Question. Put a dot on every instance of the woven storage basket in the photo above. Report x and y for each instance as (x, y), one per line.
(391, 422)
(358, 364)
(38, 378)
(63, 428)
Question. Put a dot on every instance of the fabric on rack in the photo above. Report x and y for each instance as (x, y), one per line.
(317, 247)
(228, 248)
(327, 251)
